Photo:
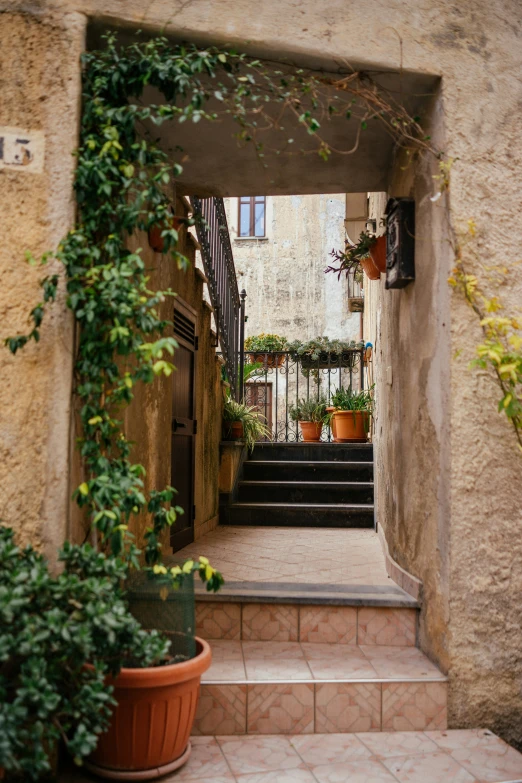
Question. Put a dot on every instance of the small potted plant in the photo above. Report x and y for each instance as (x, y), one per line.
(311, 415)
(262, 346)
(322, 353)
(355, 256)
(351, 415)
(163, 236)
(241, 422)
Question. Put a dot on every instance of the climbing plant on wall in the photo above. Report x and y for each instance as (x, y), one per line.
(121, 184)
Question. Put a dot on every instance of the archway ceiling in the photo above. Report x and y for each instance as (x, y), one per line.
(214, 163)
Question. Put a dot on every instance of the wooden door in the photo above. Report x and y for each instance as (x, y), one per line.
(259, 396)
(184, 424)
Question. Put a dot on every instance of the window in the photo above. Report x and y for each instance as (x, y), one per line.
(252, 211)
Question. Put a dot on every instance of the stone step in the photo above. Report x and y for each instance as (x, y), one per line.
(313, 452)
(343, 515)
(297, 470)
(330, 492)
(279, 687)
(282, 622)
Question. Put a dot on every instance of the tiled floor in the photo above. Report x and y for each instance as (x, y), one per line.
(326, 556)
(474, 756)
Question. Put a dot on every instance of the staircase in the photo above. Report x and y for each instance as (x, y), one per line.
(304, 485)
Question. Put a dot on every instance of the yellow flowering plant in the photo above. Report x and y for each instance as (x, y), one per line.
(177, 573)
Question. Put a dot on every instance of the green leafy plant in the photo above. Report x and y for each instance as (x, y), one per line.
(322, 347)
(266, 342)
(52, 627)
(254, 427)
(310, 410)
(349, 400)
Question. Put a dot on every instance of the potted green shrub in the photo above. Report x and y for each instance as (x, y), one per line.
(67, 644)
(261, 346)
(322, 353)
(311, 415)
(351, 415)
(243, 422)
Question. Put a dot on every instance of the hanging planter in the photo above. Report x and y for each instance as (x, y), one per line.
(156, 241)
(370, 270)
(378, 253)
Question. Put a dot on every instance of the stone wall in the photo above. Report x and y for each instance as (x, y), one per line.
(283, 273)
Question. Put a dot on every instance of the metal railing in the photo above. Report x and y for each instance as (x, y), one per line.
(284, 378)
(228, 305)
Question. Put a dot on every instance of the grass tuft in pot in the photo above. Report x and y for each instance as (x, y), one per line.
(311, 415)
(243, 422)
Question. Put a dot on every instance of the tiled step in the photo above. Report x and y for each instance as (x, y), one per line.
(347, 515)
(454, 756)
(313, 452)
(304, 491)
(257, 687)
(298, 470)
(368, 625)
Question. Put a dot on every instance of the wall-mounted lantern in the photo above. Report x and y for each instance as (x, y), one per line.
(400, 242)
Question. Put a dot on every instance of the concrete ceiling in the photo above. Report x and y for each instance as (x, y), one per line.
(214, 163)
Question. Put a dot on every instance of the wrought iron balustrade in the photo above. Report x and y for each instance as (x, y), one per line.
(283, 379)
(218, 262)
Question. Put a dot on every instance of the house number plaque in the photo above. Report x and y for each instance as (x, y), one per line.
(400, 242)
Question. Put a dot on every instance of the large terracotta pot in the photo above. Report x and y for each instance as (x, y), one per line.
(311, 431)
(378, 254)
(370, 269)
(267, 359)
(351, 426)
(150, 729)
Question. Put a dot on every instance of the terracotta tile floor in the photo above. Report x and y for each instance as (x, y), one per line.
(475, 756)
(293, 555)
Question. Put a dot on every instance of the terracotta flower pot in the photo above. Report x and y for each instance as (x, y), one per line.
(378, 254)
(311, 431)
(234, 430)
(351, 426)
(370, 269)
(156, 241)
(331, 409)
(150, 729)
(267, 359)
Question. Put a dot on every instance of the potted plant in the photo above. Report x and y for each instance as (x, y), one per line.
(355, 256)
(241, 422)
(350, 418)
(261, 346)
(322, 353)
(69, 646)
(163, 236)
(311, 415)
(378, 253)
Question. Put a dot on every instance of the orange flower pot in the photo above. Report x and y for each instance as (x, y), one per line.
(378, 254)
(267, 359)
(156, 241)
(311, 431)
(234, 430)
(351, 426)
(150, 730)
(370, 270)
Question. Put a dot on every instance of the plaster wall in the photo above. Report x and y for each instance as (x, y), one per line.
(283, 273)
(456, 485)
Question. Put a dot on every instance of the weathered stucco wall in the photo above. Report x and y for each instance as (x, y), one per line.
(39, 91)
(456, 486)
(283, 274)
